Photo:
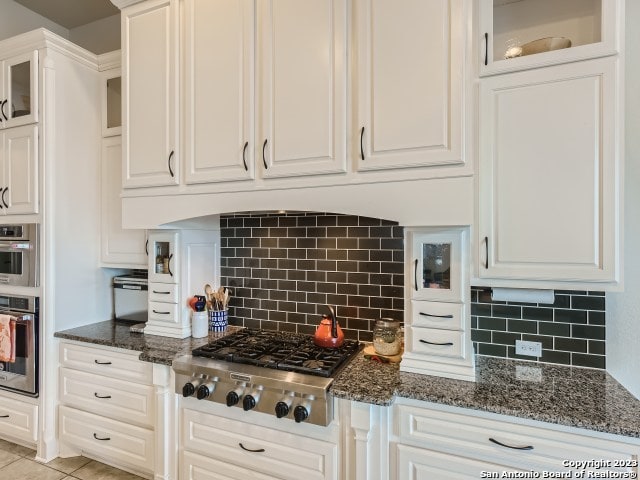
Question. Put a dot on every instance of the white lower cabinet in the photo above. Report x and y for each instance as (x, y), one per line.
(433, 441)
(108, 406)
(18, 420)
(219, 447)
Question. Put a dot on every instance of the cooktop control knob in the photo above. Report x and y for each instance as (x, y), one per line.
(248, 402)
(300, 413)
(282, 409)
(205, 390)
(232, 399)
(188, 389)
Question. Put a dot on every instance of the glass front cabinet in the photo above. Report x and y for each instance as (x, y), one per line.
(436, 265)
(19, 89)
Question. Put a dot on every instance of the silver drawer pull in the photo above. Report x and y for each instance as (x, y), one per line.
(435, 316)
(257, 450)
(161, 293)
(101, 439)
(101, 396)
(161, 313)
(445, 344)
(527, 447)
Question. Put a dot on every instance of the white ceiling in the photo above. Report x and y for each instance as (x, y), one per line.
(71, 13)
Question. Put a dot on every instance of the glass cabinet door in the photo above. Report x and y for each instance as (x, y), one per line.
(20, 102)
(163, 264)
(437, 266)
(112, 103)
(517, 35)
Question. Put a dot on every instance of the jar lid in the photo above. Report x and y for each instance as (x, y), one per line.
(388, 323)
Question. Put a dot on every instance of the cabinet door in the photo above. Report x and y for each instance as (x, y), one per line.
(508, 29)
(20, 101)
(410, 80)
(163, 264)
(437, 271)
(302, 78)
(548, 166)
(112, 104)
(120, 247)
(150, 62)
(219, 99)
(20, 168)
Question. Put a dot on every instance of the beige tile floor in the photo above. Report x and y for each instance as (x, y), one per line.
(17, 463)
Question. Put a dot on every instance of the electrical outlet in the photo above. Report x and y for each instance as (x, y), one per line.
(530, 349)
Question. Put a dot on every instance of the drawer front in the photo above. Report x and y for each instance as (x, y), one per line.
(121, 443)
(282, 455)
(163, 292)
(197, 467)
(117, 399)
(18, 420)
(442, 343)
(123, 366)
(477, 437)
(421, 464)
(163, 312)
(448, 316)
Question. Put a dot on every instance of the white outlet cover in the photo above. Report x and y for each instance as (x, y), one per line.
(530, 349)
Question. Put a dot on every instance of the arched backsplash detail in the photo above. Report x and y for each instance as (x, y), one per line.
(283, 268)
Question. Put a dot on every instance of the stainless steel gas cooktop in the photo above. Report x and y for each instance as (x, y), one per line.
(277, 373)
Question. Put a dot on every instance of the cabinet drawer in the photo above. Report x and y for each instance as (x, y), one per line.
(163, 292)
(102, 361)
(197, 467)
(285, 455)
(121, 443)
(443, 343)
(163, 312)
(448, 316)
(117, 399)
(457, 432)
(18, 420)
(422, 464)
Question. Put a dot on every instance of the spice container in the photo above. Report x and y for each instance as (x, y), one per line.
(385, 337)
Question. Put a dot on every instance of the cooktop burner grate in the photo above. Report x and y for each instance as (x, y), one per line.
(280, 351)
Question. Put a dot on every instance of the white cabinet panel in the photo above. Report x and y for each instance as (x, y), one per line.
(150, 116)
(302, 81)
(198, 467)
(19, 164)
(548, 166)
(410, 83)
(119, 246)
(219, 90)
(18, 420)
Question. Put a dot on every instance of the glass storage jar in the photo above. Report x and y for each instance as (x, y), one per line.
(386, 340)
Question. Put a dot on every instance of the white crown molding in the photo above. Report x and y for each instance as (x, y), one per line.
(124, 3)
(42, 38)
(110, 60)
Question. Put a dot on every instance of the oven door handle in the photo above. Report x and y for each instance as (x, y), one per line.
(20, 317)
(14, 247)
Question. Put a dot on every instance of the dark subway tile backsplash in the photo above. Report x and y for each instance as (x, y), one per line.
(284, 268)
(352, 263)
(571, 330)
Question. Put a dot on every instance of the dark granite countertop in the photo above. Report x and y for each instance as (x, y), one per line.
(570, 396)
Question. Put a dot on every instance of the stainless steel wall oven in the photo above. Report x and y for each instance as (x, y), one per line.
(19, 255)
(21, 374)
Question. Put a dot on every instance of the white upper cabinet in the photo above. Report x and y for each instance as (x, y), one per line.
(219, 105)
(19, 90)
(548, 179)
(19, 170)
(150, 72)
(409, 83)
(507, 27)
(302, 83)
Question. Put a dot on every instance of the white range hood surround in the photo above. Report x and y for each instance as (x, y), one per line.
(430, 202)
